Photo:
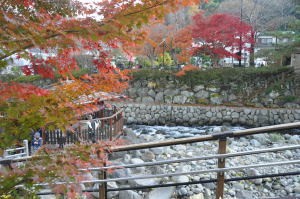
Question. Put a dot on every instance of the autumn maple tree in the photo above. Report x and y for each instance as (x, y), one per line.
(169, 35)
(220, 35)
(67, 27)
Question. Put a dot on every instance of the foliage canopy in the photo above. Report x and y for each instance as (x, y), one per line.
(63, 29)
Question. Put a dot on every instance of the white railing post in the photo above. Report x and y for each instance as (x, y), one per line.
(5, 154)
(25, 142)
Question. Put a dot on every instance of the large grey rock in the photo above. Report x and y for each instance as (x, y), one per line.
(130, 136)
(210, 185)
(217, 129)
(110, 185)
(288, 154)
(216, 99)
(168, 99)
(158, 150)
(148, 156)
(207, 193)
(274, 94)
(294, 139)
(187, 93)
(235, 115)
(132, 92)
(255, 143)
(147, 99)
(179, 148)
(180, 179)
(209, 114)
(142, 92)
(243, 194)
(121, 173)
(171, 92)
(254, 172)
(126, 158)
(238, 185)
(137, 169)
(183, 191)
(232, 97)
(297, 188)
(159, 97)
(261, 138)
(161, 193)
(179, 99)
(213, 89)
(128, 194)
(202, 94)
(198, 196)
(184, 168)
(198, 88)
(151, 93)
(143, 182)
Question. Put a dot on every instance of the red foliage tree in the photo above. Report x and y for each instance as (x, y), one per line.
(220, 35)
(67, 27)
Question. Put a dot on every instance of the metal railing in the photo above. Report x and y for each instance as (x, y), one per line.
(2, 115)
(221, 157)
(17, 152)
(108, 128)
(220, 169)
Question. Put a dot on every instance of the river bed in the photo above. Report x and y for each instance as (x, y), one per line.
(181, 131)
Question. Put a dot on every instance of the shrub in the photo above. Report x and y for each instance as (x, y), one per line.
(150, 74)
(287, 99)
(215, 76)
(202, 101)
(165, 60)
(185, 69)
(27, 79)
(80, 72)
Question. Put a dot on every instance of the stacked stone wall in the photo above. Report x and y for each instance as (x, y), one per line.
(277, 91)
(191, 115)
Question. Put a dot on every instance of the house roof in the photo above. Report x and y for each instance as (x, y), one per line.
(99, 96)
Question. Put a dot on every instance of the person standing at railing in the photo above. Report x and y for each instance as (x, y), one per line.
(37, 141)
(92, 126)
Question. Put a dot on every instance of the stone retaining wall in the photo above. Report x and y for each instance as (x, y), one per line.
(278, 91)
(165, 114)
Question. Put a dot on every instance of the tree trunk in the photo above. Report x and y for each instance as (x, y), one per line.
(251, 59)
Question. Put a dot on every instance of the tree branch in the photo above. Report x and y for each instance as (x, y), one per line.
(32, 45)
(147, 8)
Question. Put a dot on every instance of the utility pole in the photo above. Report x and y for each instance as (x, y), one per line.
(240, 47)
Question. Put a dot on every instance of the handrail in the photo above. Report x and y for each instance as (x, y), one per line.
(221, 156)
(19, 152)
(218, 170)
(228, 155)
(239, 133)
(185, 183)
(105, 118)
(109, 128)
